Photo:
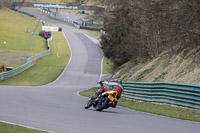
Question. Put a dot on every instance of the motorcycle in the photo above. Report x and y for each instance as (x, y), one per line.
(103, 101)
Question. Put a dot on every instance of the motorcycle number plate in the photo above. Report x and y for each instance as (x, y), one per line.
(111, 97)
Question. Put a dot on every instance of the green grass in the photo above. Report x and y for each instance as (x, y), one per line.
(48, 68)
(14, 26)
(107, 66)
(9, 128)
(96, 33)
(89, 92)
(164, 110)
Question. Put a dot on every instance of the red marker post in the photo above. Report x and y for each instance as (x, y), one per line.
(34, 61)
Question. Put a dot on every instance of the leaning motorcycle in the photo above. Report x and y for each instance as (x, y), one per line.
(103, 101)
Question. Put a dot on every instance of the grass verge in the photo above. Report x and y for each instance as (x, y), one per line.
(107, 66)
(9, 128)
(48, 68)
(164, 110)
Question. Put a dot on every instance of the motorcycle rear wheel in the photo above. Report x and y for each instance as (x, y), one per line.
(104, 103)
(88, 104)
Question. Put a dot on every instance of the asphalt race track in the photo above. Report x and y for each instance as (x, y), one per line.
(56, 107)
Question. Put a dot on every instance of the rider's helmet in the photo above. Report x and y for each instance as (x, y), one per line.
(101, 83)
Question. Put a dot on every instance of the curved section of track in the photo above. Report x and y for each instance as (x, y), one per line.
(57, 107)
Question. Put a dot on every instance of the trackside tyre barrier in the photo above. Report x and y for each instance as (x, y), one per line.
(186, 95)
(28, 64)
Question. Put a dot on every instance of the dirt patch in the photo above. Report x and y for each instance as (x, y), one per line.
(12, 57)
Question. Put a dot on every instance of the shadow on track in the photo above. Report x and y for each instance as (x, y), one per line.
(104, 111)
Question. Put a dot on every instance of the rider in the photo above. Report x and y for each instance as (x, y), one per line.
(116, 85)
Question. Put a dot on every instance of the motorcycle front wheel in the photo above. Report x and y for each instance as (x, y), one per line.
(101, 105)
(88, 104)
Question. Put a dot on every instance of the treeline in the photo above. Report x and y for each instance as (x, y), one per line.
(145, 28)
(5, 3)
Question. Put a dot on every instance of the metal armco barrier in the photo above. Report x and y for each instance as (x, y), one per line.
(28, 64)
(186, 95)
